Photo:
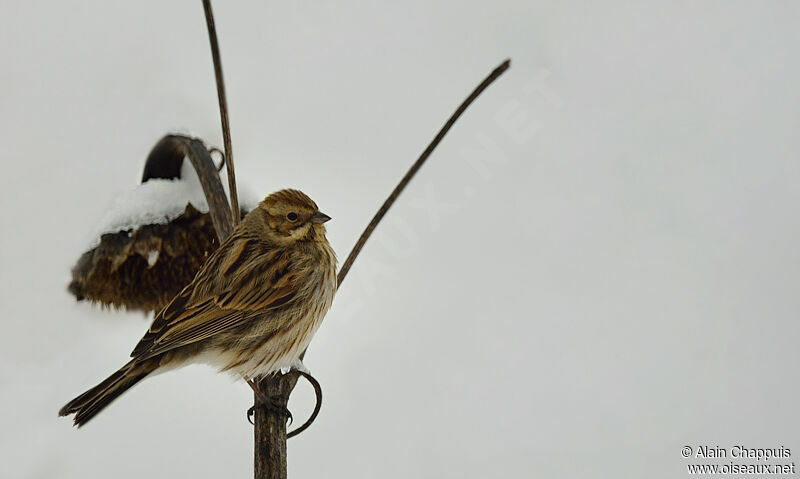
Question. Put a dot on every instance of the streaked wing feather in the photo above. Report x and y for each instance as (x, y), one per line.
(222, 297)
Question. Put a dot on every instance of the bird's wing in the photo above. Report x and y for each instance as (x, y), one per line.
(241, 281)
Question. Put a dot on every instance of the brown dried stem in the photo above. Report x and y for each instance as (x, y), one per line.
(166, 158)
(396, 193)
(318, 392)
(415, 167)
(270, 425)
(223, 110)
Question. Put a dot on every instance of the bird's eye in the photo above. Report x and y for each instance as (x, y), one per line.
(292, 216)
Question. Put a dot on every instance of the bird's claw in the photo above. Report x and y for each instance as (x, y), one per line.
(272, 405)
(250, 413)
(286, 412)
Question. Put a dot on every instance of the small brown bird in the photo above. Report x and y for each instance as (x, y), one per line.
(251, 309)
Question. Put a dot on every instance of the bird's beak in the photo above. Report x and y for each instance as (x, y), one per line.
(319, 218)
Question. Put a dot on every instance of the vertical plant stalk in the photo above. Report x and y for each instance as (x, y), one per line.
(223, 110)
(270, 431)
(270, 425)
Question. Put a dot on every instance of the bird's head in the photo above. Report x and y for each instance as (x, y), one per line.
(292, 216)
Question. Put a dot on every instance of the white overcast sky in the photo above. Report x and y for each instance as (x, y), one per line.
(598, 266)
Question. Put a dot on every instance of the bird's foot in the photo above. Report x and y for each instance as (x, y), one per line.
(273, 404)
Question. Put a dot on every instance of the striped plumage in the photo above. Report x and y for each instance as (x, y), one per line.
(250, 310)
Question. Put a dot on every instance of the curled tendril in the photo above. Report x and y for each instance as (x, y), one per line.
(221, 165)
(318, 392)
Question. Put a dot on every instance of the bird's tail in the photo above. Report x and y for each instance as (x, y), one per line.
(88, 404)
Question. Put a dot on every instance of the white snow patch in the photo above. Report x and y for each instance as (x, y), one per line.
(181, 131)
(152, 257)
(158, 201)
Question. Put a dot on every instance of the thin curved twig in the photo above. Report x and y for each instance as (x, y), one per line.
(416, 166)
(223, 111)
(318, 391)
(391, 199)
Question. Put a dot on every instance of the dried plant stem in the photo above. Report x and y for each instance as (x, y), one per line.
(318, 391)
(223, 111)
(416, 166)
(270, 425)
(165, 161)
